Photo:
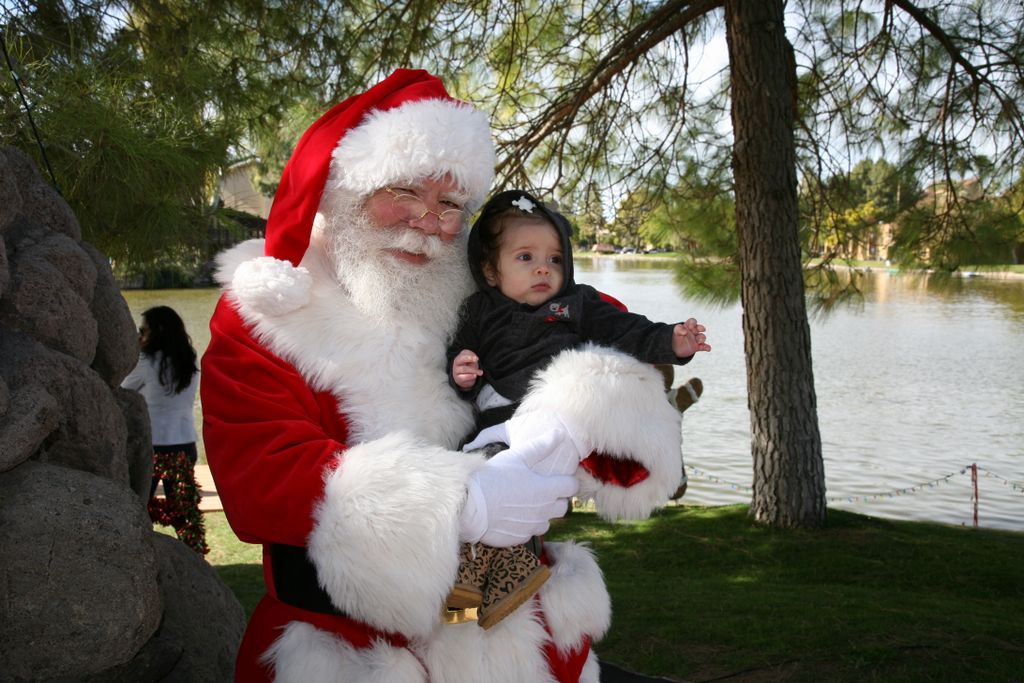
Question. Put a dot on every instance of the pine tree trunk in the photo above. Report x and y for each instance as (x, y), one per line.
(789, 475)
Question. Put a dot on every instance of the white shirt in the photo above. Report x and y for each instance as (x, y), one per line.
(170, 414)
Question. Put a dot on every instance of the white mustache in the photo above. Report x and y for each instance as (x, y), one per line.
(416, 242)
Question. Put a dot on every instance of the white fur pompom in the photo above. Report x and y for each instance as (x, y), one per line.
(270, 286)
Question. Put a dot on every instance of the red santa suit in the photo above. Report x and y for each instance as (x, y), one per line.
(330, 435)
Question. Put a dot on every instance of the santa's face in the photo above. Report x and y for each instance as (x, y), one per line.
(431, 207)
(393, 268)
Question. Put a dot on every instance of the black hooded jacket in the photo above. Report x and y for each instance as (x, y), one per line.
(515, 340)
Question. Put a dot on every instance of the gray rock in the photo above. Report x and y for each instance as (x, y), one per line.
(5, 271)
(81, 589)
(39, 197)
(32, 416)
(201, 630)
(11, 160)
(155, 663)
(50, 295)
(140, 443)
(79, 577)
(69, 260)
(91, 434)
(200, 613)
(117, 350)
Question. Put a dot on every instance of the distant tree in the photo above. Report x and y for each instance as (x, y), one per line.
(588, 209)
(1015, 205)
(982, 231)
(889, 189)
(849, 209)
(697, 217)
(934, 87)
(630, 216)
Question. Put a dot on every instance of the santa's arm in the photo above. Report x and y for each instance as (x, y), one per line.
(366, 513)
(269, 439)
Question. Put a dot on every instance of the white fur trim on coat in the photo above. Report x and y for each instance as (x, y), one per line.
(303, 654)
(385, 542)
(591, 669)
(575, 599)
(618, 405)
(419, 139)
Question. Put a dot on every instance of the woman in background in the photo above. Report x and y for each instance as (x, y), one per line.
(167, 377)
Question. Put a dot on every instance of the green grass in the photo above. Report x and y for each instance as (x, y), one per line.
(703, 594)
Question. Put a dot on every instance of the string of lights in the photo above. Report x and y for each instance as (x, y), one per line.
(1016, 486)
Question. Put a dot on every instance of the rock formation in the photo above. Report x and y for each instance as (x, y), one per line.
(88, 591)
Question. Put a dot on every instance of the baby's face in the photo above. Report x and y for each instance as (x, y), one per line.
(530, 262)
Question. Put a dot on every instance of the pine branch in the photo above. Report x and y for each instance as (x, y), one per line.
(560, 114)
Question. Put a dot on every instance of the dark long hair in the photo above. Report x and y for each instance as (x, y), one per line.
(177, 356)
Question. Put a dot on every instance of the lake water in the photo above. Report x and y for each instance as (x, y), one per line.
(913, 387)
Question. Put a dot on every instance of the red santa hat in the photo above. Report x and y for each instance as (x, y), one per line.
(404, 129)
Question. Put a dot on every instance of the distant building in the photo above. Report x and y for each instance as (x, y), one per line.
(877, 246)
(238, 191)
(242, 214)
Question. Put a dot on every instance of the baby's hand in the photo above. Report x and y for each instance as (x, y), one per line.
(465, 369)
(688, 338)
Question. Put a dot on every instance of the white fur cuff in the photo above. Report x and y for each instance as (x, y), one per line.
(575, 601)
(618, 404)
(385, 542)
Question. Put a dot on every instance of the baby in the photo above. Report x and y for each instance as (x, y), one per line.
(528, 309)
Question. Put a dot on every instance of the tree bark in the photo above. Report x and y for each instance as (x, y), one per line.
(789, 475)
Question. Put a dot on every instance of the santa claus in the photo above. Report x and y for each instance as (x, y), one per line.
(332, 431)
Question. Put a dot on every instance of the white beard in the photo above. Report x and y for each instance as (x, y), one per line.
(386, 289)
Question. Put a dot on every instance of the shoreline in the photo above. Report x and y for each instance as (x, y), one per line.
(866, 268)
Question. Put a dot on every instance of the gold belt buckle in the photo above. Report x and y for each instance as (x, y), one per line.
(459, 616)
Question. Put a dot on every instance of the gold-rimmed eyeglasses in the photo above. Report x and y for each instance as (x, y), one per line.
(412, 208)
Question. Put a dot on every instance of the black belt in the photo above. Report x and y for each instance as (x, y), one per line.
(296, 582)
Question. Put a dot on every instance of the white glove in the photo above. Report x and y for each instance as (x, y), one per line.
(563, 459)
(494, 434)
(509, 502)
